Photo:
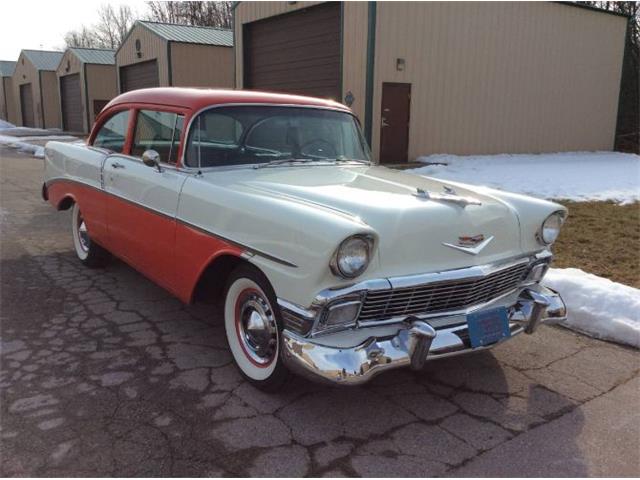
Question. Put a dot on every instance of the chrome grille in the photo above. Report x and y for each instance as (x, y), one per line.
(440, 297)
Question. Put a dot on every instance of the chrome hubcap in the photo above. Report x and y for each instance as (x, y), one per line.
(83, 234)
(257, 329)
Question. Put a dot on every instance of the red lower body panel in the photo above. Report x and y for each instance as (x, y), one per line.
(170, 253)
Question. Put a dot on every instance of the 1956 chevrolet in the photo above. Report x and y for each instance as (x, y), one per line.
(329, 266)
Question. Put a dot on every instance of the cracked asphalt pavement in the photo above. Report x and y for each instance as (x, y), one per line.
(103, 373)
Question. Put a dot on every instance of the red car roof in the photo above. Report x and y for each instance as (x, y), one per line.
(197, 98)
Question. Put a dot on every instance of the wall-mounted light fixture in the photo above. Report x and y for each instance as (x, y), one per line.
(400, 64)
(349, 98)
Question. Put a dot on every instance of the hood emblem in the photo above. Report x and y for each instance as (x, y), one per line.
(472, 245)
(449, 196)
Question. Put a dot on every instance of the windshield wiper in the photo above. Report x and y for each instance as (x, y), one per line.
(284, 161)
(343, 159)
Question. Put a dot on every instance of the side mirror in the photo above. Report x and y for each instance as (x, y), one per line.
(151, 158)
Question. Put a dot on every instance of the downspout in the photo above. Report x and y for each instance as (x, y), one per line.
(170, 67)
(44, 123)
(87, 104)
(371, 53)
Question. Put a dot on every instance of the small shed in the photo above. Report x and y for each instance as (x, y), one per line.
(7, 98)
(87, 81)
(162, 55)
(35, 87)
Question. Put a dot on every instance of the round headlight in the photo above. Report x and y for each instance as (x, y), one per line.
(551, 228)
(352, 256)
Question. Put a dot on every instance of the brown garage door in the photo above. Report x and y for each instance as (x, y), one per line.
(71, 103)
(26, 105)
(296, 53)
(139, 75)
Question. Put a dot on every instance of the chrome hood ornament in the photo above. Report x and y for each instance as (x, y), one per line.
(449, 196)
(472, 245)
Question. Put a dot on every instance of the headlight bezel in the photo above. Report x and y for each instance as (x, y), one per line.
(540, 234)
(334, 264)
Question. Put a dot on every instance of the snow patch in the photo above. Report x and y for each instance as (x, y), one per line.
(578, 176)
(4, 125)
(598, 307)
(23, 145)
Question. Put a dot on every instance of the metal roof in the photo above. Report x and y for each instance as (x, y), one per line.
(189, 34)
(99, 56)
(6, 68)
(43, 60)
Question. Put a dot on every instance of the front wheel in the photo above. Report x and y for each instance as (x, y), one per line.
(90, 253)
(253, 327)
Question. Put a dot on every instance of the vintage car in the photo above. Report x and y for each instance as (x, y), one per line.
(329, 266)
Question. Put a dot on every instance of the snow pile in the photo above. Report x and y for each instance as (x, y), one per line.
(598, 307)
(23, 145)
(4, 125)
(579, 176)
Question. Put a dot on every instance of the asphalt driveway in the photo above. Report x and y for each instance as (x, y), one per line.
(103, 373)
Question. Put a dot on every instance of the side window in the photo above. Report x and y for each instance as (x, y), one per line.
(159, 131)
(213, 136)
(113, 132)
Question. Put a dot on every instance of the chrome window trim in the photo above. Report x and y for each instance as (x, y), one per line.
(197, 114)
(173, 166)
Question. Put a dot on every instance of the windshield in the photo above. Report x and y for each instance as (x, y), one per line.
(273, 135)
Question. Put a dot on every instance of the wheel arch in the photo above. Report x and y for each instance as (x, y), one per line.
(66, 202)
(213, 277)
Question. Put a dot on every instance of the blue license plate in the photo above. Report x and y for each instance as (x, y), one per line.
(488, 326)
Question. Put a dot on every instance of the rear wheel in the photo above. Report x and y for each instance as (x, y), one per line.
(253, 327)
(90, 253)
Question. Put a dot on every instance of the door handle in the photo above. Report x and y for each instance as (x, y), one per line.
(384, 123)
(117, 165)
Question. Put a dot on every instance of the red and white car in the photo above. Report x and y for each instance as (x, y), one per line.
(329, 265)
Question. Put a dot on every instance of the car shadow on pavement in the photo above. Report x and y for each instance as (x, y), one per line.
(103, 373)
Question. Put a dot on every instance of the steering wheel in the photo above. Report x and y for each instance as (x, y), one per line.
(329, 151)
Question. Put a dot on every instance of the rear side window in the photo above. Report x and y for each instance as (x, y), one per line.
(113, 132)
(159, 131)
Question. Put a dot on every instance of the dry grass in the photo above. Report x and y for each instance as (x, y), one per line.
(602, 238)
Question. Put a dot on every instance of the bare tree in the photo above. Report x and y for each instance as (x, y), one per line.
(205, 14)
(111, 28)
(83, 37)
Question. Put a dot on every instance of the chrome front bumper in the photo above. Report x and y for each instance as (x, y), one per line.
(410, 343)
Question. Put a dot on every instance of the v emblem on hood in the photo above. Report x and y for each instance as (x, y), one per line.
(467, 244)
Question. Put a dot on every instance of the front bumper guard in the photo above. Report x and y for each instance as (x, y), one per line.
(415, 342)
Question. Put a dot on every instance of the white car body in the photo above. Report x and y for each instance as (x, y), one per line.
(288, 221)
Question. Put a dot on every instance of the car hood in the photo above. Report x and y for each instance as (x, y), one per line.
(413, 217)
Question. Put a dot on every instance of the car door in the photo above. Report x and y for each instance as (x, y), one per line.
(143, 200)
(109, 140)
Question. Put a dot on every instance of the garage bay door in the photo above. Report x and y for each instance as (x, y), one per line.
(71, 98)
(296, 53)
(26, 105)
(139, 75)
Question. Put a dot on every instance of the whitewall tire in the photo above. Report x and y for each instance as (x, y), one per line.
(252, 324)
(89, 253)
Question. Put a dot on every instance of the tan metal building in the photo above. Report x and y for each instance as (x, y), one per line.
(444, 77)
(35, 87)
(161, 55)
(7, 99)
(87, 81)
